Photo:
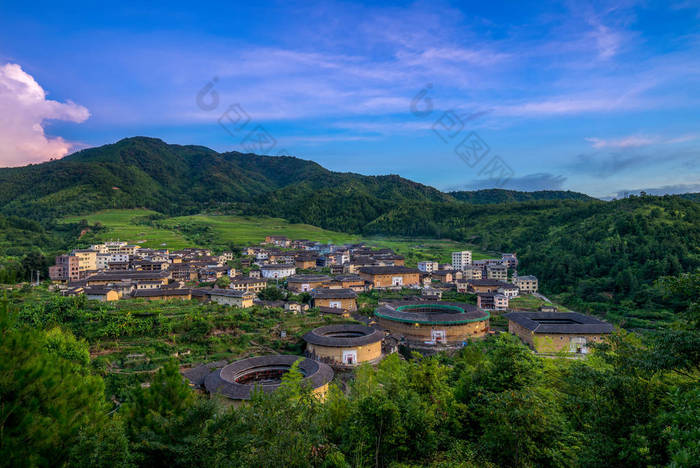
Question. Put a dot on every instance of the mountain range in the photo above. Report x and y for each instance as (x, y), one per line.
(603, 257)
(175, 179)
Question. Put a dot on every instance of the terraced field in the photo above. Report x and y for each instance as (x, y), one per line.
(222, 231)
(121, 225)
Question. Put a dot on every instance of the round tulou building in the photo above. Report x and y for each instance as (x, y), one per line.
(344, 345)
(433, 324)
(238, 380)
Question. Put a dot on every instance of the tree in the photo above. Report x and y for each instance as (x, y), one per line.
(106, 448)
(223, 282)
(45, 399)
(162, 418)
(271, 294)
(524, 428)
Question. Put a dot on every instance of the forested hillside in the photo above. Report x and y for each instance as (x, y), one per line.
(603, 257)
(175, 179)
(633, 402)
(483, 197)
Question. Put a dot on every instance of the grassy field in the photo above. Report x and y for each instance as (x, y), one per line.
(210, 230)
(120, 226)
(529, 302)
(247, 229)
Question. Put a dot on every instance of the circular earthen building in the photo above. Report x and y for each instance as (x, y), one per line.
(433, 324)
(237, 380)
(344, 345)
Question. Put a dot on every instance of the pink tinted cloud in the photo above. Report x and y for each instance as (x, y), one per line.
(24, 110)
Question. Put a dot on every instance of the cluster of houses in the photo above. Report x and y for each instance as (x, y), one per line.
(332, 276)
(495, 280)
(115, 270)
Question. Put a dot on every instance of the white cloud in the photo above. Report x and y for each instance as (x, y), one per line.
(24, 110)
(625, 142)
(635, 141)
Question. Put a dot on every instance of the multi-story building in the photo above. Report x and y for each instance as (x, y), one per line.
(280, 241)
(226, 257)
(509, 290)
(526, 284)
(510, 259)
(87, 260)
(472, 272)
(492, 301)
(461, 260)
(428, 267)
(497, 271)
(66, 269)
(248, 284)
(103, 260)
(115, 247)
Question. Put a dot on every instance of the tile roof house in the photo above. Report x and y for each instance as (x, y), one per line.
(305, 283)
(227, 296)
(340, 298)
(390, 276)
(492, 301)
(554, 332)
(162, 294)
(278, 270)
(485, 285)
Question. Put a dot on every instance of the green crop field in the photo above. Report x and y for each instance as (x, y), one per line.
(248, 229)
(121, 226)
(205, 230)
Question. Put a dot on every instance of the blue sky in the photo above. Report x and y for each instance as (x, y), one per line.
(599, 97)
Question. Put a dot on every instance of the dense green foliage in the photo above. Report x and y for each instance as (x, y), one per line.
(601, 257)
(489, 196)
(634, 402)
(47, 397)
(174, 179)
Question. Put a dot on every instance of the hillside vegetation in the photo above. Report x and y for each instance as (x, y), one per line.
(489, 196)
(93, 384)
(603, 257)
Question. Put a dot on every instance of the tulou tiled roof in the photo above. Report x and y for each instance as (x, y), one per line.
(223, 381)
(431, 312)
(388, 270)
(343, 335)
(559, 322)
(160, 292)
(333, 293)
(308, 278)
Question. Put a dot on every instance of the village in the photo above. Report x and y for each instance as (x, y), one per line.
(304, 275)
